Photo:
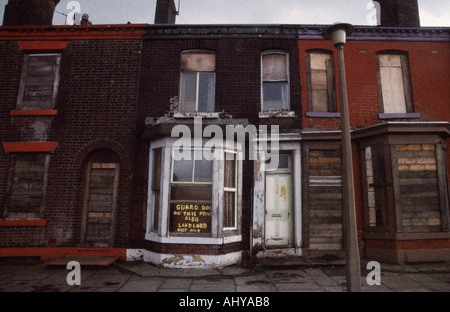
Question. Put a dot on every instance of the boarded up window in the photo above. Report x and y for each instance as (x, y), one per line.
(416, 188)
(27, 185)
(394, 83)
(275, 82)
(39, 82)
(324, 200)
(197, 82)
(321, 90)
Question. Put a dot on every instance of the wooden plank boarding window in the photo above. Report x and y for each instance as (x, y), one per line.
(27, 185)
(230, 191)
(321, 83)
(198, 78)
(417, 188)
(275, 81)
(191, 195)
(100, 201)
(394, 83)
(323, 225)
(39, 82)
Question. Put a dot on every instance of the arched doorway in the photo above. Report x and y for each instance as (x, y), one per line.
(100, 200)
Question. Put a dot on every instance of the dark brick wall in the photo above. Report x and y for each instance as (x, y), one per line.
(96, 105)
(238, 93)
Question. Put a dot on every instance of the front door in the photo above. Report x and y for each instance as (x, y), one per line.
(279, 202)
(100, 202)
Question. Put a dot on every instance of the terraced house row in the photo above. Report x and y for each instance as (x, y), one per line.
(87, 115)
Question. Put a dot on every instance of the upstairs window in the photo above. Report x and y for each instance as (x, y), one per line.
(39, 82)
(275, 81)
(394, 82)
(321, 83)
(198, 80)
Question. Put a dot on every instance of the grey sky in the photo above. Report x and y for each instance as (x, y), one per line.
(358, 12)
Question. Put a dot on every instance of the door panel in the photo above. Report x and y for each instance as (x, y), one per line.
(278, 226)
(100, 205)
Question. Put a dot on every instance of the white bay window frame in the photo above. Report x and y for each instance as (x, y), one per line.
(219, 234)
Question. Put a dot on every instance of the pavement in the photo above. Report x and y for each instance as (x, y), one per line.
(143, 277)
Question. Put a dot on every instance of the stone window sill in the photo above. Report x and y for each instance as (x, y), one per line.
(399, 116)
(17, 222)
(48, 112)
(192, 115)
(192, 240)
(323, 114)
(276, 114)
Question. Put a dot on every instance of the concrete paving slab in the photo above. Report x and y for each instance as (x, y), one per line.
(296, 287)
(253, 280)
(256, 288)
(142, 284)
(177, 283)
(221, 284)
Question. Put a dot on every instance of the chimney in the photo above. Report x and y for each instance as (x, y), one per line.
(399, 13)
(166, 12)
(29, 12)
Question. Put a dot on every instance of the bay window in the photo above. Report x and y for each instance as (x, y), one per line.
(197, 200)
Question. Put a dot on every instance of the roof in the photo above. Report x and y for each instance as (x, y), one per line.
(250, 31)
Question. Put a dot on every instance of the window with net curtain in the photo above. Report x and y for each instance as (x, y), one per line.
(275, 81)
(198, 80)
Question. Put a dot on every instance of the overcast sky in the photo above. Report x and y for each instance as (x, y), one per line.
(357, 12)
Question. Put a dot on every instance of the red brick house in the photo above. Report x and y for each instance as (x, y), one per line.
(87, 164)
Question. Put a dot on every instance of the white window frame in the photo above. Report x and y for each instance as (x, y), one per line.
(231, 189)
(265, 113)
(196, 113)
(219, 235)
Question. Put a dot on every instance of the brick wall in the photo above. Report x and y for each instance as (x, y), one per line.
(428, 64)
(96, 105)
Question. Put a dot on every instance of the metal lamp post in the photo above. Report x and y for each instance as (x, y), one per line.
(337, 33)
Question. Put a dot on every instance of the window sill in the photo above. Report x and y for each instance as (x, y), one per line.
(323, 114)
(276, 114)
(192, 115)
(48, 112)
(399, 116)
(17, 222)
(23, 147)
(192, 240)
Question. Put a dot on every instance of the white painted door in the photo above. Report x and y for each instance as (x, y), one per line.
(278, 225)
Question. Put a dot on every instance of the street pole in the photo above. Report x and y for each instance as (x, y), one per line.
(337, 33)
(352, 268)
